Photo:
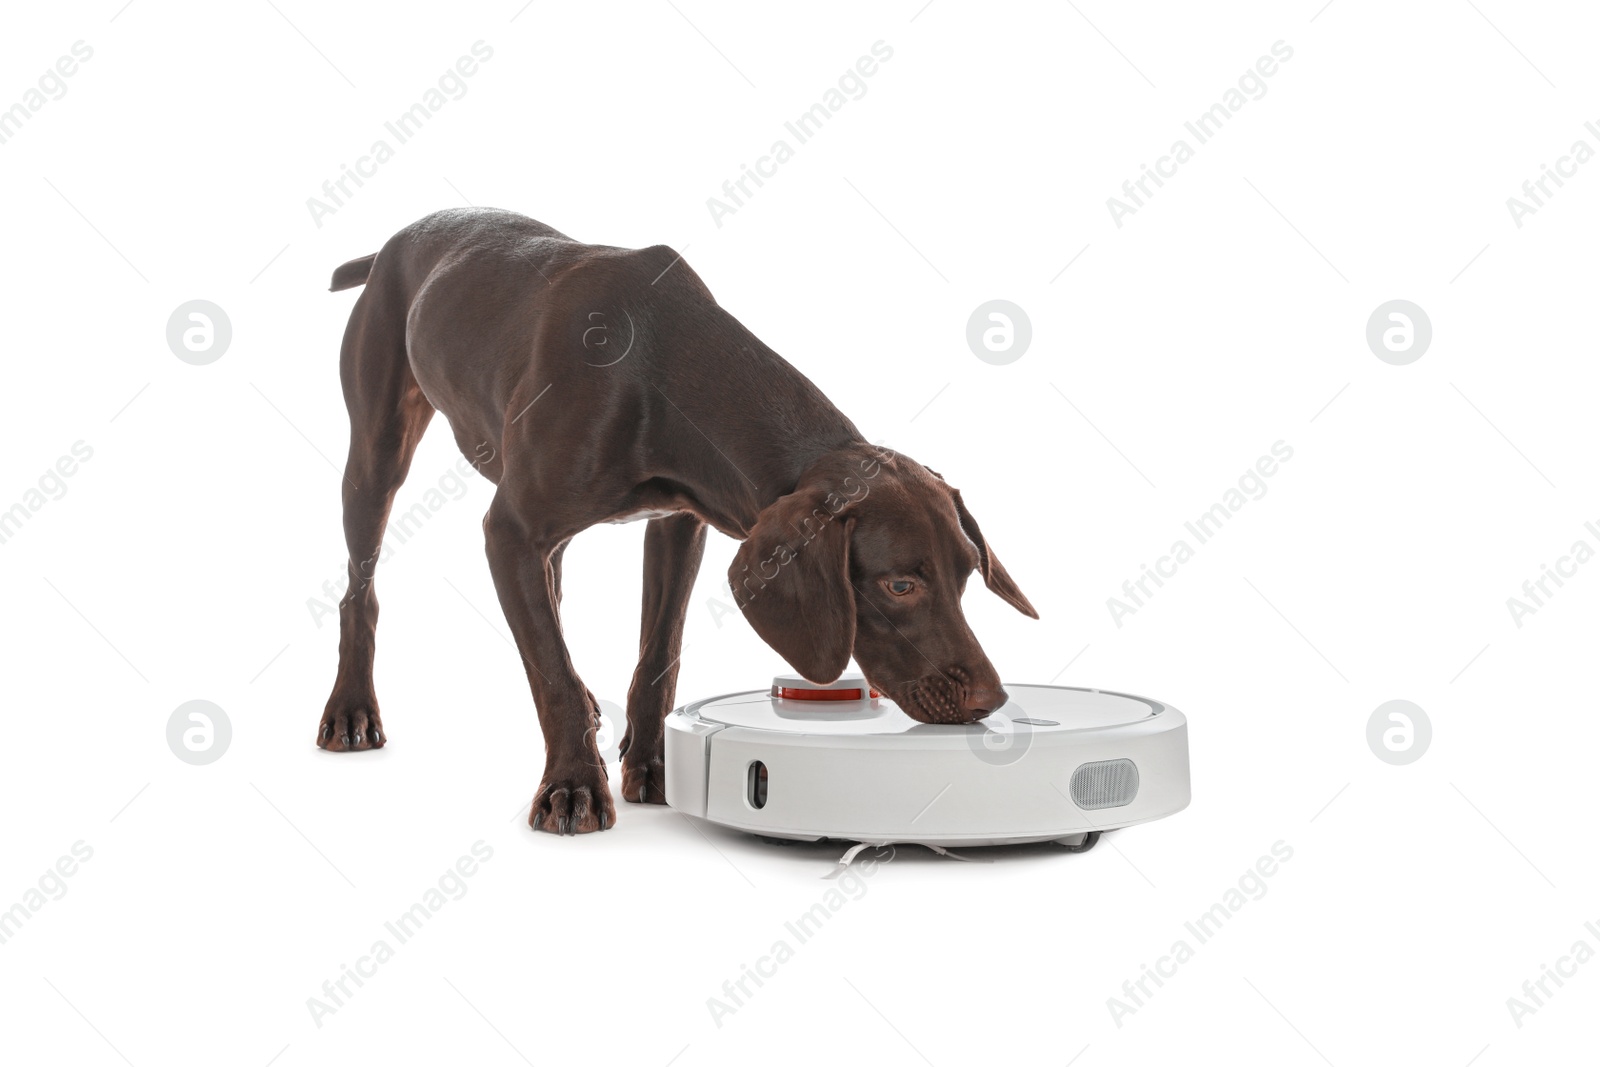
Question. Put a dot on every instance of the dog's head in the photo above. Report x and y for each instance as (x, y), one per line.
(869, 556)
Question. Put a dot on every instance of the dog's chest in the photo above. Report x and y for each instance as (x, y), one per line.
(642, 513)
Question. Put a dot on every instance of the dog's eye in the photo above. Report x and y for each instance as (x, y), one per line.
(900, 587)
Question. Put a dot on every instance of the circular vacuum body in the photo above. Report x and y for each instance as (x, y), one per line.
(806, 761)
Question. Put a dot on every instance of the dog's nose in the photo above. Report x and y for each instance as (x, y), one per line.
(980, 702)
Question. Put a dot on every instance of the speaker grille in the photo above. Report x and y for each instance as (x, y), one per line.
(1107, 784)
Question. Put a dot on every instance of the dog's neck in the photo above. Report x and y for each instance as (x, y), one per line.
(767, 475)
(759, 426)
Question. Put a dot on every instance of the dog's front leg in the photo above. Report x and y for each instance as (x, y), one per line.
(573, 796)
(673, 547)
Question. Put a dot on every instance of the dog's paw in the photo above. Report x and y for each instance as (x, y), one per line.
(351, 728)
(644, 780)
(578, 803)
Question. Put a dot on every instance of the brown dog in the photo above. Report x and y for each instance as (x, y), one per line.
(595, 384)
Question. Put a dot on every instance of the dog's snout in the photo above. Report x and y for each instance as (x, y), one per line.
(949, 696)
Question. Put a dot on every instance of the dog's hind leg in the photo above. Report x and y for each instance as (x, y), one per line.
(673, 547)
(388, 414)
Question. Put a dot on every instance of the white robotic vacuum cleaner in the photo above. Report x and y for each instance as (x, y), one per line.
(805, 762)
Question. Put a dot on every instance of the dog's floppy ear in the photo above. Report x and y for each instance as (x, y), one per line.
(994, 574)
(791, 578)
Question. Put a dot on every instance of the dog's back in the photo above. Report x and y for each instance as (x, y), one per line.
(495, 306)
(417, 248)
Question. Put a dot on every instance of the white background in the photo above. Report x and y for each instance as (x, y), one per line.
(1229, 313)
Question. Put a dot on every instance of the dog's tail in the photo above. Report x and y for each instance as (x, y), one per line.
(352, 274)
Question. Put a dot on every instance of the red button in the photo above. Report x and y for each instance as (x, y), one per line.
(788, 693)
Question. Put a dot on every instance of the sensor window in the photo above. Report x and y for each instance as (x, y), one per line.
(1106, 784)
(757, 788)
